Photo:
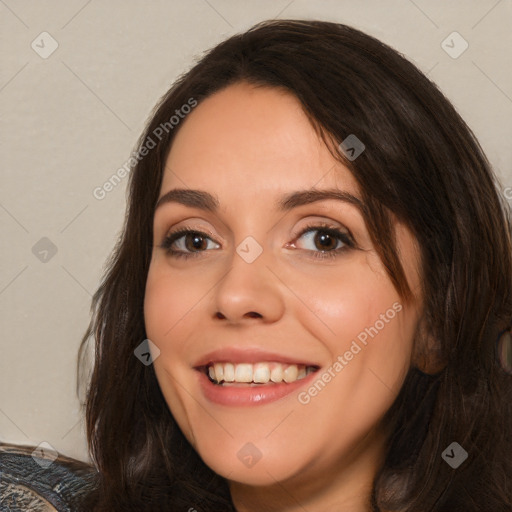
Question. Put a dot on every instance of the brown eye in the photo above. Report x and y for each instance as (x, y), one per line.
(194, 242)
(186, 243)
(326, 239)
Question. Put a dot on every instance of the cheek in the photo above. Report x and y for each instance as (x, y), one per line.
(367, 332)
(169, 302)
(348, 303)
(370, 352)
(160, 303)
(166, 304)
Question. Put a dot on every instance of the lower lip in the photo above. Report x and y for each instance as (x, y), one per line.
(244, 395)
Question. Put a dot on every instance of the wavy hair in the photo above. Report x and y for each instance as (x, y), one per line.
(423, 166)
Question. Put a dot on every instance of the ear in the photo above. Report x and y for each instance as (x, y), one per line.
(427, 354)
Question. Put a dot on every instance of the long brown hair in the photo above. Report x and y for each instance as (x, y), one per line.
(423, 165)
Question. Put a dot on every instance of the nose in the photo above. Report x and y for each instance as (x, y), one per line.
(249, 292)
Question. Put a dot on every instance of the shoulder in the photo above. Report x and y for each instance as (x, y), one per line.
(29, 480)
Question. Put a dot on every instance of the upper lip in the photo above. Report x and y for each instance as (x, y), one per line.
(248, 355)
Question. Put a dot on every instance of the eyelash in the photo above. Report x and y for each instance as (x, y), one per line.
(345, 238)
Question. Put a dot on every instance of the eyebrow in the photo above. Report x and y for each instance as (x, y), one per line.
(206, 201)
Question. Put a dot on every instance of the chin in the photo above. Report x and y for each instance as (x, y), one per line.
(246, 463)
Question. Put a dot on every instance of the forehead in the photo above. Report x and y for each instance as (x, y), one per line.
(252, 139)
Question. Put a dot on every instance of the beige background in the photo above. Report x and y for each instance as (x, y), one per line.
(70, 120)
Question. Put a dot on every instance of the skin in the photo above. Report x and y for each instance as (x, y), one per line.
(249, 146)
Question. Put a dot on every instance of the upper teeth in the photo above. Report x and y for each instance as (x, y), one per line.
(259, 372)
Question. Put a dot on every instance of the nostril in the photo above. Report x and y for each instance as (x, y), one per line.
(253, 314)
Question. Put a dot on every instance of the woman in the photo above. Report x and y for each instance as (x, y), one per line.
(309, 300)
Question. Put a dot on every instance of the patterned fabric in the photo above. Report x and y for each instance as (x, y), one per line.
(30, 482)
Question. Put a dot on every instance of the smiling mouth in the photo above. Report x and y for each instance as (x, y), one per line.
(248, 374)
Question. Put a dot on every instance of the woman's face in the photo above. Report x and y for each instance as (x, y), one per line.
(259, 299)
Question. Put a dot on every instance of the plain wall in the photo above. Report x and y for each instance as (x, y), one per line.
(70, 120)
